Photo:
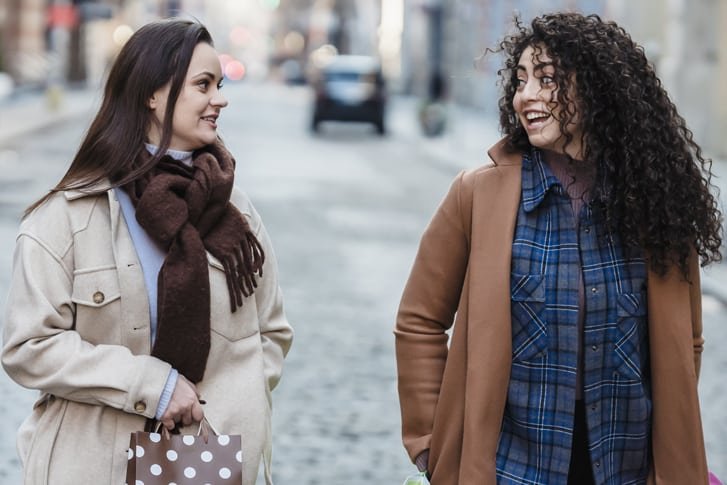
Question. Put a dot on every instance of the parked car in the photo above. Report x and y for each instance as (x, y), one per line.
(350, 88)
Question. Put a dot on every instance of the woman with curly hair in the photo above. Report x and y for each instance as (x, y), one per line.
(569, 268)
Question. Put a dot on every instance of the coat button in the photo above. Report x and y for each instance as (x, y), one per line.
(98, 297)
(140, 407)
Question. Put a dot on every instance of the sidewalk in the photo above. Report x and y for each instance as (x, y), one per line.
(31, 112)
(464, 143)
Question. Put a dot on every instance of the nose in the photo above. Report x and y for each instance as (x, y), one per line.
(218, 100)
(531, 89)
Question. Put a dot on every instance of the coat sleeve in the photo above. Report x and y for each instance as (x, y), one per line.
(426, 312)
(275, 331)
(41, 349)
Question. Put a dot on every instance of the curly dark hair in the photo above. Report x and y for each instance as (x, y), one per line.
(652, 183)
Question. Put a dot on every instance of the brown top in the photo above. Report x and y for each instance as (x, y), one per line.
(576, 177)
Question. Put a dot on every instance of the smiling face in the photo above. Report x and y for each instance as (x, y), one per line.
(199, 104)
(538, 109)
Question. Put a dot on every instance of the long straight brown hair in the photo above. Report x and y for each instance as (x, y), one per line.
(157, 54)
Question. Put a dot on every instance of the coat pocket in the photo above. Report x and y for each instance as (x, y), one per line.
(232, 326)
(630, 348)
(529, 330)
(94, 292)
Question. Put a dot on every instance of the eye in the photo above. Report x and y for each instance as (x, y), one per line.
(520, 83)
(203, 83)
(220, 84)
(545, 80)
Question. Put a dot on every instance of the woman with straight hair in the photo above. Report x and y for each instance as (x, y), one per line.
(568, 267)
(144, 284)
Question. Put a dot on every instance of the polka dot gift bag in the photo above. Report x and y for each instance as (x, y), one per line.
(162, 458)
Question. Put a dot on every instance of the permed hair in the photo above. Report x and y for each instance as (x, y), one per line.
(653, 183)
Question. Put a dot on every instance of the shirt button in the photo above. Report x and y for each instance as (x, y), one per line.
(587, 230)
(98, 297)
(140, 407)
(598, 464)
(595, 347)
(594, 290)
(593, 407)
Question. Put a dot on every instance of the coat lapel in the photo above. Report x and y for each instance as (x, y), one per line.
(496, 197)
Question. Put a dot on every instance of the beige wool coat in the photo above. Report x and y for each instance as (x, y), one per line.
(77, 329)
(452, 398)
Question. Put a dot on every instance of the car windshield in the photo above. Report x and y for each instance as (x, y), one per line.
(350, 76)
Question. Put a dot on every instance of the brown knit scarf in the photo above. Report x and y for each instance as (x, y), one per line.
(187, 210)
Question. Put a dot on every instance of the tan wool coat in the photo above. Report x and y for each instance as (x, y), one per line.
(453, 396)
(77, 329)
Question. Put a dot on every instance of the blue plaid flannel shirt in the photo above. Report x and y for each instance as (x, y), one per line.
(549, 252)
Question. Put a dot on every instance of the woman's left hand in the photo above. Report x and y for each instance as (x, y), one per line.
(184, 406)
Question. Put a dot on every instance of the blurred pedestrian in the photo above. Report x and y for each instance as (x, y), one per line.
(570, 264)
(144, 285)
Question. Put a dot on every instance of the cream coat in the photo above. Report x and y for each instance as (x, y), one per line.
(452, 399)
(77, 329)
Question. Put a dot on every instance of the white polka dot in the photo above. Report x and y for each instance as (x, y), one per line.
(155, 437)
(238, 456)
(206, 456)
(172, 483)
(139, 451)
(171, 455)
(225, 473)
(188, 440)
(130, 453)
(139, 482)
(223, 439)
(155, 470)
(190, 472)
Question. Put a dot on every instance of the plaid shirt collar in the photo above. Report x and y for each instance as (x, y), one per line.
(537, 180)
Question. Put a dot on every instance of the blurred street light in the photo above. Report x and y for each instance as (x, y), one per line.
(234, 70)
(323, 55)
(122, 33)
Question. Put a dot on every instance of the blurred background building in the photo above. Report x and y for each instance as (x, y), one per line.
(427, 47)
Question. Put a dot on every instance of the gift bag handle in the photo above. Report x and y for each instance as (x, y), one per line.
(204, 429)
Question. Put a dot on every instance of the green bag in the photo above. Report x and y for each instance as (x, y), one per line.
(417, 479)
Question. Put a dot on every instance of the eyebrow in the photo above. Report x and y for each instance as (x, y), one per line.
(207, 74)
(537, 67)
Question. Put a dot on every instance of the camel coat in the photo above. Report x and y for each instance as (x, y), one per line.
(77, 329)
(452, 399)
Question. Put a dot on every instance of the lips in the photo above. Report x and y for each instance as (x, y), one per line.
(534, 119)
(212, 119)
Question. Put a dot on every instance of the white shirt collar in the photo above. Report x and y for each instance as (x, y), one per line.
(179, 155)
